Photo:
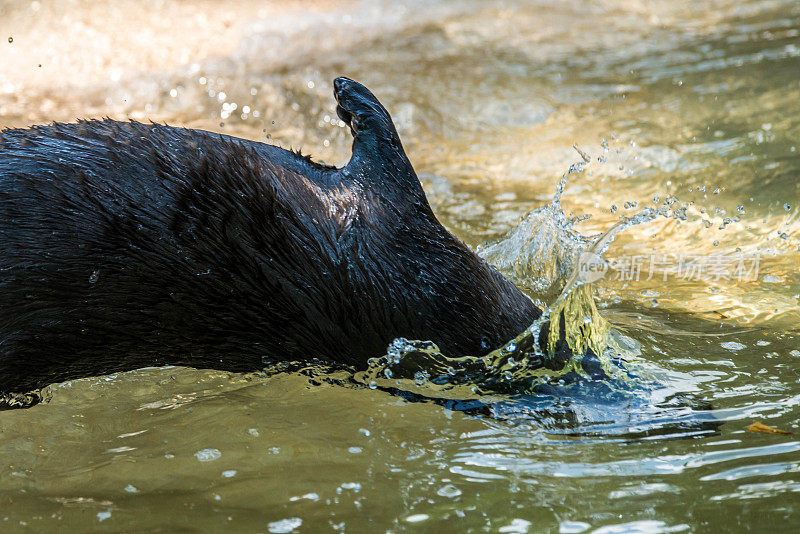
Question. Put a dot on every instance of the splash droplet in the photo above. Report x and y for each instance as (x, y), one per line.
(449, 491)
(207, 455)
(733, 345)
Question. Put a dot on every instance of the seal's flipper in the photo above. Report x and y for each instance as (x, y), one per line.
(378, 156)
(358, 107)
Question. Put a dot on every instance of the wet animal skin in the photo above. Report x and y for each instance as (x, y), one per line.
(125, 245)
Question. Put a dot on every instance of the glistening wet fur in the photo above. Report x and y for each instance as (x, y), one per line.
(124, 245)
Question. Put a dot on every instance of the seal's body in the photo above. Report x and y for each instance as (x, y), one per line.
(125, 245)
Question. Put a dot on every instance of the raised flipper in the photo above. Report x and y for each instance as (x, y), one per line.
(377, 151)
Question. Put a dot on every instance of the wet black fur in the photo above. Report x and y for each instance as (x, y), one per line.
(125, 245)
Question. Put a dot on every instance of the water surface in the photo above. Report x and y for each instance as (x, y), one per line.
(689, 107)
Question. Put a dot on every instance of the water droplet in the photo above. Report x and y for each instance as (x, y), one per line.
(207, 455)
(94, 276)
(576, 167)
(740, 209)
(284, 526)
(680, 213)
(613, 208)
(716, 243)
(573, 527)
(229, 474)
(449, 491)
(787, 207)
(421, 377)
(373, 385)
(352, 486)
(511, 347)
(131, 489)
(733, 345)
(10, 39)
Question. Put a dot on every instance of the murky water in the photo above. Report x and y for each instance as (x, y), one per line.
(689, 108)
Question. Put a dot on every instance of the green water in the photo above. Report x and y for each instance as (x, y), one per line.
(697, 101)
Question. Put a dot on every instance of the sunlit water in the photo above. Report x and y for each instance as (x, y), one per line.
(690, 110)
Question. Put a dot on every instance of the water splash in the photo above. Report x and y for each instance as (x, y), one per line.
(569, 372)
(543, 249)
(584, 326)
(557, 371)
(566, 403)
(547, 256)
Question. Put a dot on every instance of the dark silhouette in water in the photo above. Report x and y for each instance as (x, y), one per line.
(124, 245)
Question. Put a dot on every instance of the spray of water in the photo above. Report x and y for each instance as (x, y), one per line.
(548, 257)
